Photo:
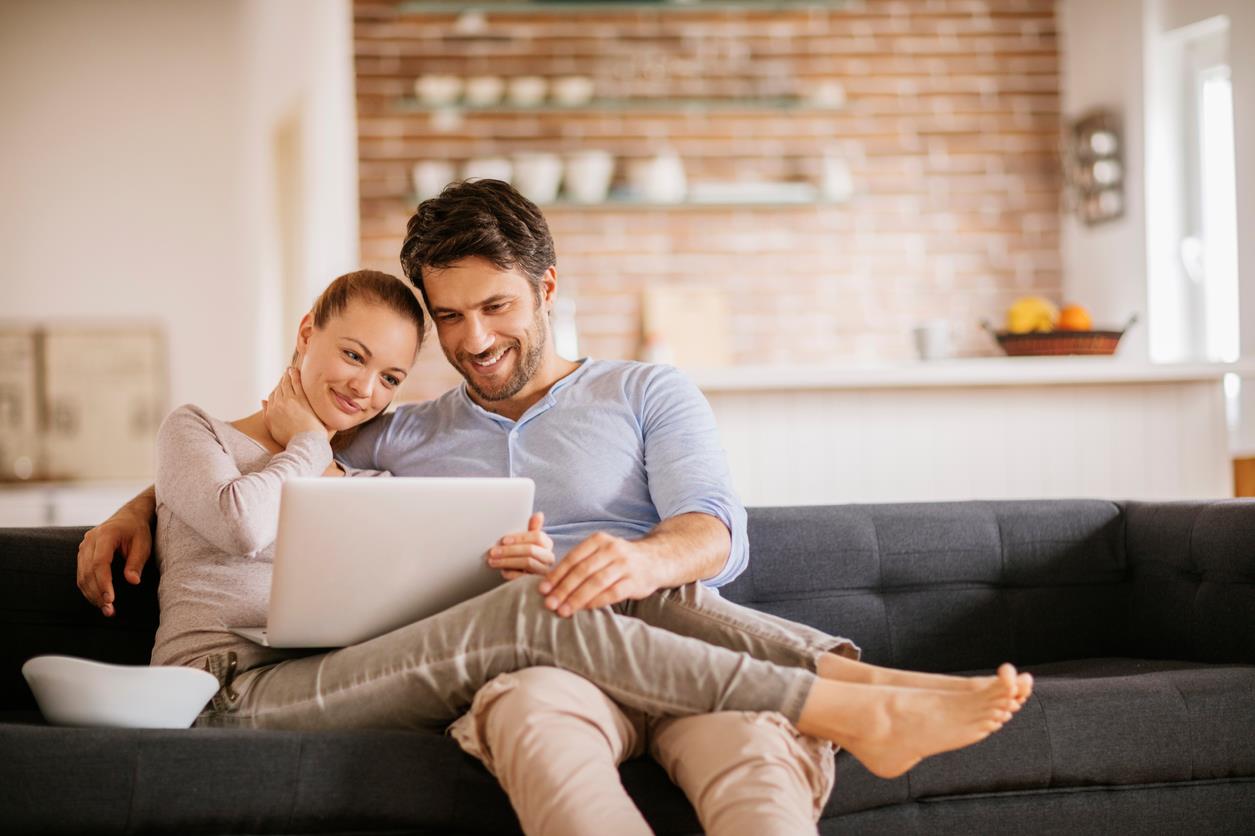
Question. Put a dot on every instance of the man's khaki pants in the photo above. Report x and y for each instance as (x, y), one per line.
(554, 741)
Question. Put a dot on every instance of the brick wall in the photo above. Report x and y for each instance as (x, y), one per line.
(950, 128)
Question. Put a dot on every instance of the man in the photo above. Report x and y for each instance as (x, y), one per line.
(627, 467)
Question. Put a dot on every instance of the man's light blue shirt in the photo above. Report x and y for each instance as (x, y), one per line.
(615, 446)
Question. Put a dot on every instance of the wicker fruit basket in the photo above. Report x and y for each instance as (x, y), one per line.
(1054, 343)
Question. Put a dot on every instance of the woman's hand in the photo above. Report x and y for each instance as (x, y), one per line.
(287, 411)
(528, 553)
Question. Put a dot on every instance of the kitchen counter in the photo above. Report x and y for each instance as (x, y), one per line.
(976, 371)
(995, 428)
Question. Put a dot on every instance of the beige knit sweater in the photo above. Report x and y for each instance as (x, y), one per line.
(217, 515)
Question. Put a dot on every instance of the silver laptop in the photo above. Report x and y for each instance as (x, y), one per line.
(357, 558)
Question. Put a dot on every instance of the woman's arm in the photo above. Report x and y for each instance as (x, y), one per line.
(202, 485)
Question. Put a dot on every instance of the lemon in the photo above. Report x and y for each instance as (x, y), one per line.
(1032, 313)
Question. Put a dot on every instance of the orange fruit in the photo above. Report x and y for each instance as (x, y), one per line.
(1075, 318)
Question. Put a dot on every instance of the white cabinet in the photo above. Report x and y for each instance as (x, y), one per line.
(50, 503)
(974, 429)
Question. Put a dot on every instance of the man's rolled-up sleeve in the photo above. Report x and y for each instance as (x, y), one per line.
(686, 465)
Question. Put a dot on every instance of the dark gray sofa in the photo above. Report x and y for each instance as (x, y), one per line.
(1137, 619)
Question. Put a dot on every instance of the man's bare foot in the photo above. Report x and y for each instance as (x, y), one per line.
(891, 728)
(840, 669)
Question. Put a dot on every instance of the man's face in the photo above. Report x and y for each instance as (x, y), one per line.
(490, 326)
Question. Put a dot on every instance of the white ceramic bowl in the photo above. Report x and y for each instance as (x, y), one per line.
(438, 90)
(527, 90)
(573, 90)
(588, 175)
(537, 175)
(484, 90)
(488, 168)
(79, 692)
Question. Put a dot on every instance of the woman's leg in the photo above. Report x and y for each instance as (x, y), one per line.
(696, 611)
(693, 610)
(890, 729)
(425, 674)
(835, 667)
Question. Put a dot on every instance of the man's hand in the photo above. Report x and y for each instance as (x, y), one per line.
(601, 571)
(528, 553)
(127, 531)
(287, 412)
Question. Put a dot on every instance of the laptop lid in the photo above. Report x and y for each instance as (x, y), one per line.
(356, 558)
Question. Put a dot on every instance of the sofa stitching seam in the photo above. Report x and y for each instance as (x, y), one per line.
(296, 789)
(1002, 576)
(1050, 741)
(880, 586)
(1198, 589)
(130, 806)
(1189, 723)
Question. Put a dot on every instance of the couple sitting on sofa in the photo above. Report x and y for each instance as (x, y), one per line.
(573, 665)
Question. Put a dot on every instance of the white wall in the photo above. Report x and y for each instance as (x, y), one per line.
(137, 143)
(1110, 59)
(1104, 266)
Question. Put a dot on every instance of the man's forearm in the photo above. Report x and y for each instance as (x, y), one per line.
(687, 548)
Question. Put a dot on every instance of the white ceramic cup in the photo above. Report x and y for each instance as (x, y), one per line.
(537, 175)
(932, 339)
(836, 183)
(588, 175)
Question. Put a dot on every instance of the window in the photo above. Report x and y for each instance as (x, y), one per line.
(1194, 263)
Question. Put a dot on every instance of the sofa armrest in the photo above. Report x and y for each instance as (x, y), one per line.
(1193, 575)
(42, 611)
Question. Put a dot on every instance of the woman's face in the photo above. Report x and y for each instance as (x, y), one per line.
(352, 367)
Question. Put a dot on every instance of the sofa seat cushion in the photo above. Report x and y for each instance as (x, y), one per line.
(87, 781)
(1091, 723)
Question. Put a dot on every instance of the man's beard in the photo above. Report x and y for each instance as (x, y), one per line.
(525, 366)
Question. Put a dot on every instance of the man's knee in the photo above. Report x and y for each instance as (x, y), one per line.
(735, 754)
(546, 714)
(538, 704)
(526, 693)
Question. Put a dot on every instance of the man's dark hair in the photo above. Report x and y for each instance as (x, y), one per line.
(485, 218)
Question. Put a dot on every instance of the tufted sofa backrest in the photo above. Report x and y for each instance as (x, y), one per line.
(950, 585)
(1193, 570)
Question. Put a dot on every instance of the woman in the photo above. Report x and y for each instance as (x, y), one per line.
(680, 652)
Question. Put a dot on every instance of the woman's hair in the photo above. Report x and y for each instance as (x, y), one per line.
(485, 218)
(369, 286)
(376, 288)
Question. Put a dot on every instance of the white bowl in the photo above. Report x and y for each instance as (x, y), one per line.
(573, 90)
(526, 90)
(438, 90)
(488, 168)
(484, 90)
(79, 692)
(537, 175)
